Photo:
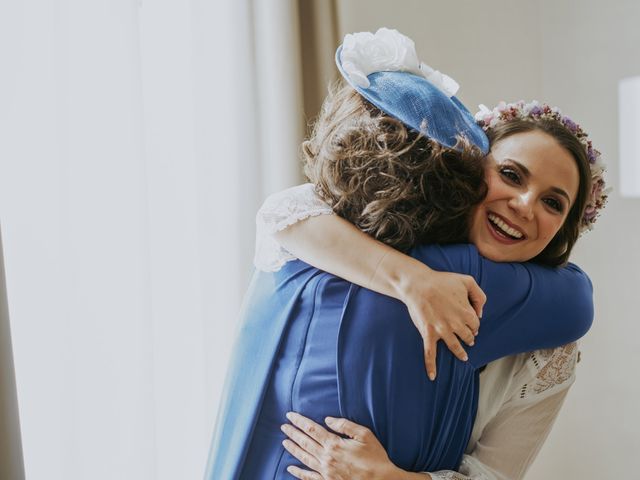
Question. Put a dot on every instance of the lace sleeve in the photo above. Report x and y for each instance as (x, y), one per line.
(513, 436)
(451, 475)
(278, 212)
(553, 369)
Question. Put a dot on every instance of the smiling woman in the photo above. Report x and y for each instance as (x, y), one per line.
(539, 180)
(532, 185)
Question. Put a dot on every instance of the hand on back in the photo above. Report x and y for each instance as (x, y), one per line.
(443, 306)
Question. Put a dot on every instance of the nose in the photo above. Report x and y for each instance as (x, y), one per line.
(522, 205)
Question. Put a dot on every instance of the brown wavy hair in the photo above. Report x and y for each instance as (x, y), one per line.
(391, 182)
(557, 252)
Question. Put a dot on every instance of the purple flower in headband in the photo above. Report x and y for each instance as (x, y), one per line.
(536, 110)
(590, 213)
(570, 124)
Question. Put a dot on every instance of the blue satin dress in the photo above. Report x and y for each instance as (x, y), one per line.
(316, 344)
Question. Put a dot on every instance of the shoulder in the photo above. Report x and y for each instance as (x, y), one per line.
(459, 258)
(284, 208)
(279, 211)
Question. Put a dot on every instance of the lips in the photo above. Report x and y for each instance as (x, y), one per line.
(502, 230)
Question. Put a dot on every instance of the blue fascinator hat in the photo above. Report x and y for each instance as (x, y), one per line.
(384, 69)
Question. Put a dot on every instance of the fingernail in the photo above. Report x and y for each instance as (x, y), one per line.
(290, 469)
(329, 419)
(472, 343)
(465, 358)
(289, 415)
(283, 427)
(432, 376)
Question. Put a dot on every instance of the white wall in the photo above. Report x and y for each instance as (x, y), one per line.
(570, 54)
(585, 52)
(489, 47)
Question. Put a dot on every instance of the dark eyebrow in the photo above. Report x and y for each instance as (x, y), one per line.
(525, 170)
(527, 174)
(560, 191)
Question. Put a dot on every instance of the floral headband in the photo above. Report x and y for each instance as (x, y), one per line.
(505, 112)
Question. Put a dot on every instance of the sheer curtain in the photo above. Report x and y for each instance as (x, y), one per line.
(11, 462)
(138, 138)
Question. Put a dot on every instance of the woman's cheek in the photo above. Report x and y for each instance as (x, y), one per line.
(552, 227)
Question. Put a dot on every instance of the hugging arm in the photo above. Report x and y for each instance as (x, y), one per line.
(504, 446)
(529, 307)
(296, 223)
(508, 445)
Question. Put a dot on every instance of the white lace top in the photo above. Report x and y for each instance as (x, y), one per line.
(520, 395)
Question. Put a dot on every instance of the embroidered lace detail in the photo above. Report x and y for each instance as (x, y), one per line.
(555, 366)
(448, 475)
(279, 211)
(466, 469)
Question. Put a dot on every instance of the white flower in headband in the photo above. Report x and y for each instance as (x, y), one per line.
(387, 50)
(505, 112)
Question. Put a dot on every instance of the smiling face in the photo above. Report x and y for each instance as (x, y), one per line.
(532, 184)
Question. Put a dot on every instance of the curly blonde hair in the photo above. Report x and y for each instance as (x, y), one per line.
(391, 182)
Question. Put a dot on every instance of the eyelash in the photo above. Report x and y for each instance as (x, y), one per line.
(554, 204)
(514, 177)
(511, 175)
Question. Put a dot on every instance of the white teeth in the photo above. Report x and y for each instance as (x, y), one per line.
(504, 227)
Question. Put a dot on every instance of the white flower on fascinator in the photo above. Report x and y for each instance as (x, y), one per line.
(387, 50)
(444, 82)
